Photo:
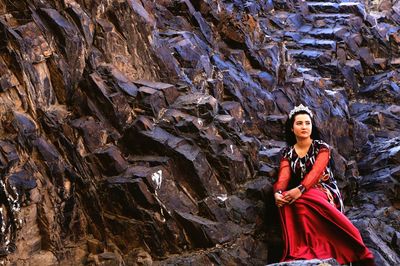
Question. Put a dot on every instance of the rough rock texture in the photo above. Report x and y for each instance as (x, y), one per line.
(314, 262)
(148, 132)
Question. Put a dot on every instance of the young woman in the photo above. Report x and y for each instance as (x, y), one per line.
(309, 201)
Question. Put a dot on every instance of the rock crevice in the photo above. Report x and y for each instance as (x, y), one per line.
(149, 132)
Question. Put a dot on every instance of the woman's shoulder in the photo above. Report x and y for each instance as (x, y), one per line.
(287, 151)
(320, 144)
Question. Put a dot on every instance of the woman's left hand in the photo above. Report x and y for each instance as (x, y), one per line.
(292, 195)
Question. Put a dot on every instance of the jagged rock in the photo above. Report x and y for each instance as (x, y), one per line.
(259, 188)
(9, 154)
(314, 262)
(93, 133)
(22, 180)
(383, 154)
(138, 257)
(387, 90)
(242, 251)
(377, 242)
(152, 100)
(207, 233)
(37, 48)
(271, 155)
(110, 160)
(198, 105)
(114, 103)
(169, 91)
(149, 132)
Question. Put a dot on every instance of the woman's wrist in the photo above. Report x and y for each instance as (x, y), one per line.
(301, 188)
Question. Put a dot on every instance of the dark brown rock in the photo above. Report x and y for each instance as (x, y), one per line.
(199, 105)
(111, 160)
(149, 132)
(313, 262)
(207, 233)
(33, 41)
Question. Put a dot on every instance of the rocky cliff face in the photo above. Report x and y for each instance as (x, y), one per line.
(138, 132)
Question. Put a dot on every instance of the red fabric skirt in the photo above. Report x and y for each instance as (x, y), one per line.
(313, 228)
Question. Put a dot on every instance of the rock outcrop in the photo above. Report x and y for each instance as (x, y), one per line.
(314, 262)
(149, 132)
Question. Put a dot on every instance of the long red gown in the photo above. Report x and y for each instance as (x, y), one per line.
(312, 226)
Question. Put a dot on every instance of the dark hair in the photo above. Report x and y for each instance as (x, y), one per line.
(289, 135)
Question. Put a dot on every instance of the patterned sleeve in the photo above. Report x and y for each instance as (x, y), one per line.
(322, 145)
(285, 152)
(319, 166)
(284, 173)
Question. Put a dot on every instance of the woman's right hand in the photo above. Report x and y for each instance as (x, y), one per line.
(279, 200)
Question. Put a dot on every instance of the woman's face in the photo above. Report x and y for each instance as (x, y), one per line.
(302, 126)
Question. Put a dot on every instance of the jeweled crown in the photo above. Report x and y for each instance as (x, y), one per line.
(300, 108)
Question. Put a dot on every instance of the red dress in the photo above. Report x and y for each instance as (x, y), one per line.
(313, 226)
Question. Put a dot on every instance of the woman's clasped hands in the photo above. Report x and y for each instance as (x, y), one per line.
(287, 197)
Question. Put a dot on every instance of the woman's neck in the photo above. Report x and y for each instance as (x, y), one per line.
(303, 143)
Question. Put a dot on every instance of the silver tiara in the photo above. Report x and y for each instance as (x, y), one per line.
(300, 108)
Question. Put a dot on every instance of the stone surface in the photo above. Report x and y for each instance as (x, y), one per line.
(314, 262)
(149, 132)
